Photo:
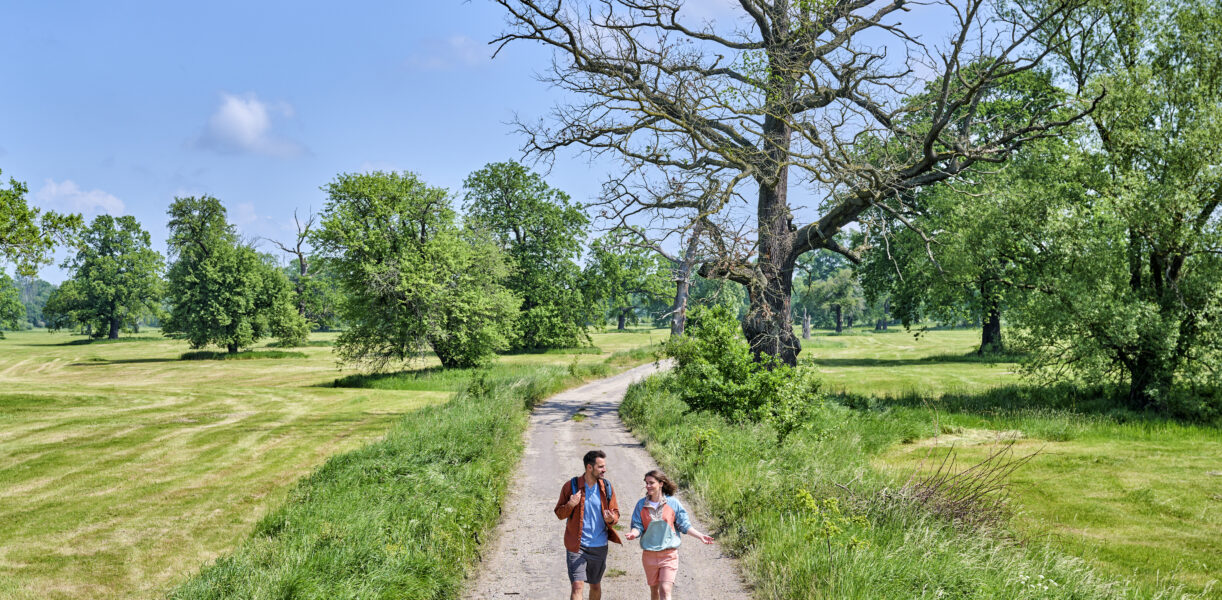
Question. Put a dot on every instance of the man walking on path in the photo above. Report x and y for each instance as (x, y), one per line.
(590, 505)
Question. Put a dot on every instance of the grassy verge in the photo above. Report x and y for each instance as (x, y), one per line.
(814, 518)
(403, 517)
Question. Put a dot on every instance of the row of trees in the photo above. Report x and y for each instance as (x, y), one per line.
(388, 258)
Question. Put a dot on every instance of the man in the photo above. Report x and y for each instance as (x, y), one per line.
(590, 505)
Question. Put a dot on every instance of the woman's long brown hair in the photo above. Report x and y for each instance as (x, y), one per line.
(668, 486)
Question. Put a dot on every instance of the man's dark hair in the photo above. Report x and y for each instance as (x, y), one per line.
(588, 459)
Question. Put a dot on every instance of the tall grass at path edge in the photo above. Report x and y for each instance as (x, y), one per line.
(403, 517)
(811, 518)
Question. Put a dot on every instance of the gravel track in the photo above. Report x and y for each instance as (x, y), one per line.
(525, 557)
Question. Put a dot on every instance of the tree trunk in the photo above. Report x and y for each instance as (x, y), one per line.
(769, 322)
(683, 283)
(1149, 381)
(678, 313)
(990, 334)
(848, 322)
(622, 320)
(805, 324)
(886, 312)
(114, 329)
(839, 319)
(232, 347)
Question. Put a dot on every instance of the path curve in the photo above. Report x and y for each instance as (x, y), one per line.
(525, 557)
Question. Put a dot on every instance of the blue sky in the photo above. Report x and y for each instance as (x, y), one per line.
(118, 107)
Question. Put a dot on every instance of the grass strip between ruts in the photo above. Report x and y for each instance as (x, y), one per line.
(811, 518)
(402, 517)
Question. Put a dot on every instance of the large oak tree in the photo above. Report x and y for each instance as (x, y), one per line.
(790, 91)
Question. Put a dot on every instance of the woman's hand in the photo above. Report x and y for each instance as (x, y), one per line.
(632, 535)
(708, 539)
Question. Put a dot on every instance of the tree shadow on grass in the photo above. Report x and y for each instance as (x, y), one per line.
(1105, 400)
(121, 340)
(100, 362)
(970, 358)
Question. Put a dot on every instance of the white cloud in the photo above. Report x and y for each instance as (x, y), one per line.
(69, 197)
(457, 51)
(243, 124)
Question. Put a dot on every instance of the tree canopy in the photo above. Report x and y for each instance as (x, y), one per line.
(222, 291)
(412, 278)
(27, 235)
(542, 232)
(118, 274)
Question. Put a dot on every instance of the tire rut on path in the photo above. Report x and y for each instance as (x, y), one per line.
(525, 556)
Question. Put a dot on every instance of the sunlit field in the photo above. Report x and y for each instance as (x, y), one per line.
(1140, 499)
(1136, 497)
(897, 362)
(123, 469)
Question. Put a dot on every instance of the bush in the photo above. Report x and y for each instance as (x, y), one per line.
(717, 372)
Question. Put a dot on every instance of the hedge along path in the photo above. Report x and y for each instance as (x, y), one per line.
(525, 555)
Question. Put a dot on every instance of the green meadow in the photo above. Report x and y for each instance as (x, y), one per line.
(1112, 504)
(125, 468)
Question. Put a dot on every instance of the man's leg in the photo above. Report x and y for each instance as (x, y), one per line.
(576, 562)
(596, 565)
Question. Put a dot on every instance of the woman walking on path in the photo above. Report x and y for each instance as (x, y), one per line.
(659, 520)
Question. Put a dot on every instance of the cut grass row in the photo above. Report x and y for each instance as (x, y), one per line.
(123, 468)
(403, 517)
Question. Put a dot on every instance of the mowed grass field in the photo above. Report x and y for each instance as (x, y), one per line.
(1139, 498)
(124, 469)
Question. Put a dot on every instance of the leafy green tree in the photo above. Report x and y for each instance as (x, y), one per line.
(118, 273)
(542, 232)
(625, 278)
(34, 294)
(65, 308)
(317, 293)
(992, 219)
(839, 297)
(222, 291)
(12, 312)
(412, 279)
(1133, 265)
(27, 235)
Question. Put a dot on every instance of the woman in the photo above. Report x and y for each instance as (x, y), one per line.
(659, 519)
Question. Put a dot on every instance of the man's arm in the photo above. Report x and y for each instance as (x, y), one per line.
(566, 503)
(611, 512)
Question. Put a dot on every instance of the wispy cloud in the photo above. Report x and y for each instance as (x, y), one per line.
(454, 52)
(242, 124)
(67, 196)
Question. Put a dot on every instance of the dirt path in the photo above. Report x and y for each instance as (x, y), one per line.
(525, 558)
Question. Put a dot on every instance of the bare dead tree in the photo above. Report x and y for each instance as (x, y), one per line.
(691, 202)
(299, 250)
(813, 86)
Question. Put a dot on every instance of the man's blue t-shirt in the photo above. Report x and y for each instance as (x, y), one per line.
(593, 526)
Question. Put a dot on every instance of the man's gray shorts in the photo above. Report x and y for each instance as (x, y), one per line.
(587, 565)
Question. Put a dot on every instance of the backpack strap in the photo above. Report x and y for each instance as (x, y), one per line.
(573, 486)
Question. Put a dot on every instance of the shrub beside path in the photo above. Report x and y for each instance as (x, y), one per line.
(525, 557)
